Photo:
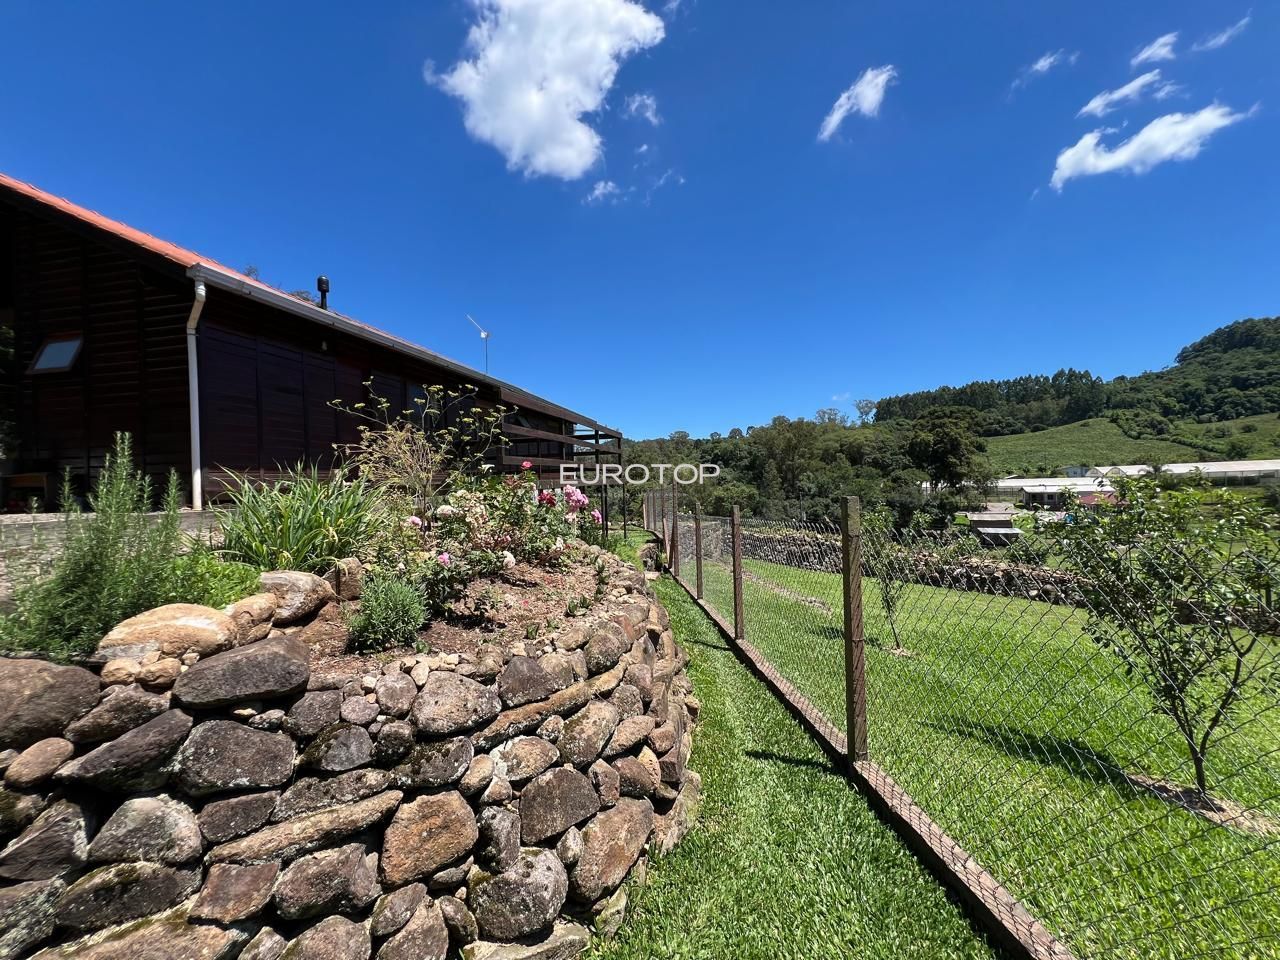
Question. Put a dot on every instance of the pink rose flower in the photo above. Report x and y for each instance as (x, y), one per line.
(445, 559)
(527, 465)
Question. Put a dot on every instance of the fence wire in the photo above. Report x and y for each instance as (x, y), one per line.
(1045, 697)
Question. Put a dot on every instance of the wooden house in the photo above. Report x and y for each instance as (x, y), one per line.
(207, 368)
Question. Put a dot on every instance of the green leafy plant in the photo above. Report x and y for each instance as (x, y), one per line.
(116, 561)
(391, 613)
(300, 522)
(1177, 585)
(211, 580)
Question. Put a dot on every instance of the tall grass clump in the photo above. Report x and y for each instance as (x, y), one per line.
(299, 522)
(116, 561)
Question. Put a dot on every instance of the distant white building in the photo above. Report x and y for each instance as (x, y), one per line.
(1229, 471)
(1048, 492)
(1123, 470)
(1215, 471)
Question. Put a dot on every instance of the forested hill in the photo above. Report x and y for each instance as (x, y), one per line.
(1233, 372)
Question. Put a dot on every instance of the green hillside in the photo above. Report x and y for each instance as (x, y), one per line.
(1097, 442)
(1232, 373)
(1100, 442)
(1248, 438)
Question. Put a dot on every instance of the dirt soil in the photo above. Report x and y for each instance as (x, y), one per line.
(1218, 810)
(521, 604)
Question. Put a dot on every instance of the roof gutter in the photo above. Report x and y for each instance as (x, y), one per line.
(193, 395)
(203, 272)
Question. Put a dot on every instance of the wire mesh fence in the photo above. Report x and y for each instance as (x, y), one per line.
(1091, 712)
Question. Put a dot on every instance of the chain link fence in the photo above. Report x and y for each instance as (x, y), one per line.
(1086, 717)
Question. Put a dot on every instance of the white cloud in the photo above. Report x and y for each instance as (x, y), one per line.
(1046, 63)
(670, 176)
(643, 105)
(536, 68)
(602, 191)
(1161, 48)
(1175, 136)
(864, 97)
(1216, 40)
(1134, 90)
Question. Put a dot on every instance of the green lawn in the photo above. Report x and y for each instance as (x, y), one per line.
(1015, 733)
(786, 861)
(1094, 442)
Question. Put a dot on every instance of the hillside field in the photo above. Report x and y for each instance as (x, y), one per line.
(1097, 442)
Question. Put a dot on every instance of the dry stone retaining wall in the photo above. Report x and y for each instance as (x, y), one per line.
(196, 792)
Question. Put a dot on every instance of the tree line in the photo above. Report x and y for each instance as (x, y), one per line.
(802, 468)
(1233, 372)
(922, 454)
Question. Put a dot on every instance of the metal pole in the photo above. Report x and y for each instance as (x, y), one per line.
(697, 550)
(739, 624)
(855, 674)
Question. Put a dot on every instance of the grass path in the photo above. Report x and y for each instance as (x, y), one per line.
(786, 861)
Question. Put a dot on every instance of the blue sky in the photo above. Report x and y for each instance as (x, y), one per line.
(749, 253)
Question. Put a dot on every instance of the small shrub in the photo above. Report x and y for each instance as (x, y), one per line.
(300, 522)
(391, 613)
(115, 563)
(442, 578)
(201, 576)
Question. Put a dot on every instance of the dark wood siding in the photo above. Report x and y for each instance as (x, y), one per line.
(267, 376)
(268, 380)
(131, 371)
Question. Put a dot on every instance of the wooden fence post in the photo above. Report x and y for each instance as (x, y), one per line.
(697, 550)
(855, 674)
(739, 627)
(675, 532)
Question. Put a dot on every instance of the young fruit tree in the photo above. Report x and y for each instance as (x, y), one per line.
(1178, 585)
(886, 557)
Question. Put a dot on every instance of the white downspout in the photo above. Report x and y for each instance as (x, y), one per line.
(193, 397)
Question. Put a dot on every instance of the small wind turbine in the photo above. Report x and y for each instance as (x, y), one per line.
(484, 335)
